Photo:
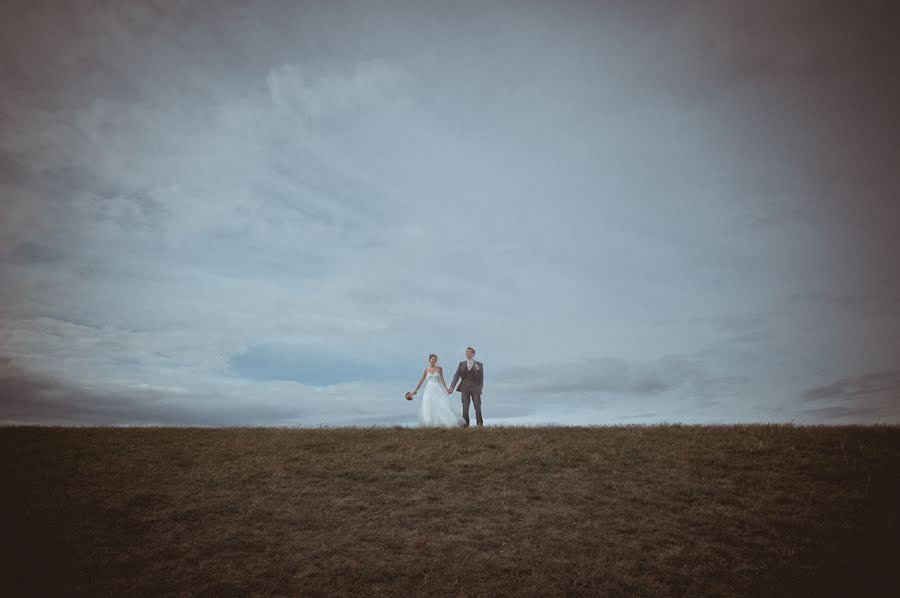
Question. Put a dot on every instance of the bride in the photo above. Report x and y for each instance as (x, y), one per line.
(437, 407)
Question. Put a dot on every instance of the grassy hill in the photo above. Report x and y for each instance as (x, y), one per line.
(681, 510)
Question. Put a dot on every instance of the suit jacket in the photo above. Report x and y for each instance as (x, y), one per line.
(470, 379)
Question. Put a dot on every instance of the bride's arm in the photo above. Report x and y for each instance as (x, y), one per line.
(424, 373)
(441, 371)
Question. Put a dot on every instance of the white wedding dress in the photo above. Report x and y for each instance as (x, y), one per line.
(437, 408)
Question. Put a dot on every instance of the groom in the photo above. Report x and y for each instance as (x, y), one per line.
(471, 373)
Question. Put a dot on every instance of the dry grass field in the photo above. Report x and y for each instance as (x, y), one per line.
(661, 510)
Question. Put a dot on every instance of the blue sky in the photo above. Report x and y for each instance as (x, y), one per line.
(228, 213)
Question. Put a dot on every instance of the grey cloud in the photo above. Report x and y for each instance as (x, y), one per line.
(309, 95)
(30, 252)
(28, 397)
(12, 170)
(616, 375)
(859, 413)
(774, 216)
(857, 387)
(750, 328)
(649, 414)
(711, 390)
(737, 323)
(885, 303)
(755, 338)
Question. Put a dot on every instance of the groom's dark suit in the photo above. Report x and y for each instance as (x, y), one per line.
(470, 386)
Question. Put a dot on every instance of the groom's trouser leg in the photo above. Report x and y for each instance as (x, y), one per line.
(466, 395)
(476, 399)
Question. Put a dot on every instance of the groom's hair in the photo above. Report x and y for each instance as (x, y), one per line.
(471, 349)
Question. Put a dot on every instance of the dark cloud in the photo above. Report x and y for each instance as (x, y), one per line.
(28, 397)
(885, 303)
(622, 377)
(30, 252)
(858, 387)
(603, 375)
(858, 413)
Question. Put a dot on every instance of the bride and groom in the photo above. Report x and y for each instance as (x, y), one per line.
(436, 408)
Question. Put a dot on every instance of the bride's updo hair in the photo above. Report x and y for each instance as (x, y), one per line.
(432, 355)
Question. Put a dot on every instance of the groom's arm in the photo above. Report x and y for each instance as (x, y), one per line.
(455, 378)
(481, 386)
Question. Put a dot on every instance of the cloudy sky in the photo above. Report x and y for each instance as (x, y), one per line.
(270, 213)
